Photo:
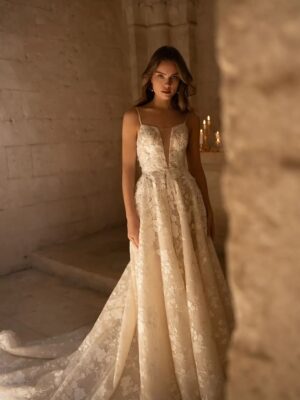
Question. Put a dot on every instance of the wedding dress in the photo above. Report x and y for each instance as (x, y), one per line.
(164, 331)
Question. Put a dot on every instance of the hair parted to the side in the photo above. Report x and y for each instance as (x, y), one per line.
(180, 100)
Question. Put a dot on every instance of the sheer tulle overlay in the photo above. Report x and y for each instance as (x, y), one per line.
(164, 331)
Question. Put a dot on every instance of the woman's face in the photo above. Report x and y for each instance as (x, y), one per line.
(165, 80)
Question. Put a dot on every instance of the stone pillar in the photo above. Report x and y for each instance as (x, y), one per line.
(259, 54)
(207, 72)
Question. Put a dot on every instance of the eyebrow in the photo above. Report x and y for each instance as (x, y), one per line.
(164, 73)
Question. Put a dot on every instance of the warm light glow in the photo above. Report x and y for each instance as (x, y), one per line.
(201, 137)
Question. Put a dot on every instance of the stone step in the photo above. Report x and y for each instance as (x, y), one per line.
(95, 261)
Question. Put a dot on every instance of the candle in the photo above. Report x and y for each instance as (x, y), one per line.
(201, 138)
(218, 138)
(208, 120)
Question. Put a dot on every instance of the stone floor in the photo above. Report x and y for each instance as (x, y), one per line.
(66, 285)
(35, 304)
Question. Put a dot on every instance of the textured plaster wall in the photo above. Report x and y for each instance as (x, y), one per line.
(259, 54)
(63, 89)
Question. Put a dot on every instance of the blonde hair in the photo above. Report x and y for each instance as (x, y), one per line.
(180, 100)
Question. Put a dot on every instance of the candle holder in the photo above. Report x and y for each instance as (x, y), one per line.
(206, 137)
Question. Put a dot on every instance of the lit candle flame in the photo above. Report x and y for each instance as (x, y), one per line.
(218, 138)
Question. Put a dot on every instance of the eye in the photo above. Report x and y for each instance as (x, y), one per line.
(174, 78)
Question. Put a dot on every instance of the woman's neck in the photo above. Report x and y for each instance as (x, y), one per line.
(161, 104)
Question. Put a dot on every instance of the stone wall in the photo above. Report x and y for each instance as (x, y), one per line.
(63, 89)
(259, 54)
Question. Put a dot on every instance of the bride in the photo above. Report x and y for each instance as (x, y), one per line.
(164, 331)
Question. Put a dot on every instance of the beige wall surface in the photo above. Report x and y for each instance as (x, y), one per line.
(259, 54)
(63, 90)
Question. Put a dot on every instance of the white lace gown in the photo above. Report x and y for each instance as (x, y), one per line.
(164, 331)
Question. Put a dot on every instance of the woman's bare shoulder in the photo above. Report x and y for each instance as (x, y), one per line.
(130, 114)
(130, 118)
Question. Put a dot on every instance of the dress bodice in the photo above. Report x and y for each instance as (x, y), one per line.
(155, 156)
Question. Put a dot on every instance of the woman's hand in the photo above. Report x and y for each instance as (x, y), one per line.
(133, 227)
(210, 223)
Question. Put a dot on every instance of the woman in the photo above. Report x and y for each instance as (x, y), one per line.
(164, 331)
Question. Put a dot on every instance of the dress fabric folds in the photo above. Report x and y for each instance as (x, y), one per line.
(164, 330)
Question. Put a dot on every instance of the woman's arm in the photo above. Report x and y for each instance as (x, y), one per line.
(196, 169)
(194, 160)
(129, 136)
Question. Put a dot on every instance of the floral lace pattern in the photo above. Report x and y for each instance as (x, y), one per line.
(164, 331)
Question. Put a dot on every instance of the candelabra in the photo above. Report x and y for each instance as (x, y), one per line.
(205, 137)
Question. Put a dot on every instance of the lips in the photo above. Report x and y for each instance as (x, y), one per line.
(166, 91)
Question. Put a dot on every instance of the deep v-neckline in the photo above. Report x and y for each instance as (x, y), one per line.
(167, 160)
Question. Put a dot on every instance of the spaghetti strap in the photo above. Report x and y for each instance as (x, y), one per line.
(139, 115)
